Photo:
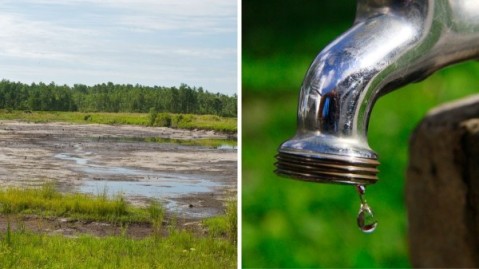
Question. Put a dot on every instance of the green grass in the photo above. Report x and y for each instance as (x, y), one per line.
(204, 142)
(288, 223)
(47, 201)
(194, 142)
(208, 122)
(180, 249)
(189, 121)
(225, 225)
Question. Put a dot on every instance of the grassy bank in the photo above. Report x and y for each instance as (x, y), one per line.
(48, 202)
(179, 250)
(22, 248)
(183, 121)
(194, 142)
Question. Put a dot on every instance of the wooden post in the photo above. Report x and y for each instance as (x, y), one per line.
(442, 187)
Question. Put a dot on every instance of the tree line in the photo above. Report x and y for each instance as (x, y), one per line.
(109, 97)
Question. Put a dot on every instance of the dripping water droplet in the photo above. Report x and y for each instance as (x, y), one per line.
(366, 221)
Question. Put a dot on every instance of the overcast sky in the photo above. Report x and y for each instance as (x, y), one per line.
(150, 42)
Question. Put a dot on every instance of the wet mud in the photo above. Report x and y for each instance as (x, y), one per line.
(192, 182)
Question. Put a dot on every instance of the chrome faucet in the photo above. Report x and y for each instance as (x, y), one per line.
(392, 43)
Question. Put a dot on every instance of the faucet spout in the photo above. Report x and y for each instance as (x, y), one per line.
(392, 43)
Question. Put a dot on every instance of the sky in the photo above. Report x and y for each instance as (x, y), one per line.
(149, 42)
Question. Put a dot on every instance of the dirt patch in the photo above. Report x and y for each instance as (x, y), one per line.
(192, 181)
(74, 228)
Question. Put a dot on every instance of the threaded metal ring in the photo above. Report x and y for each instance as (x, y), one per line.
(327, 168)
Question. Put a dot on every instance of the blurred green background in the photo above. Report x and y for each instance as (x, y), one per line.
(288, 223)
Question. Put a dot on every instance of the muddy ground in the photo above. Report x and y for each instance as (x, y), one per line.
(192, 181)
(75, 228)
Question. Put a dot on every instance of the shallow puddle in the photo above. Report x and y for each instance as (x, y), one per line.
(140, 183)
(150, 189)
(67, 157)
(165, 191)
(227, 147)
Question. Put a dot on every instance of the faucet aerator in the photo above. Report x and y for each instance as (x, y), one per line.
(327, 168)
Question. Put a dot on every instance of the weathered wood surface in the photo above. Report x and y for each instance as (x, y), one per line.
(442, 187)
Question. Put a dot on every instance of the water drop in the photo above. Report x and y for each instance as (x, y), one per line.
(361, 190)
(366, 221)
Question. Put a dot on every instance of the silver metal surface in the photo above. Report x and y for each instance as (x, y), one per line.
(392, 43)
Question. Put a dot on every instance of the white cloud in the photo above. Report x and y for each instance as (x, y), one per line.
(192, 25)
(171, 7)
(161, 42)
(25, 38)
(150, 15)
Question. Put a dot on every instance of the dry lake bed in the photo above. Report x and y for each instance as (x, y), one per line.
(192, 182)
